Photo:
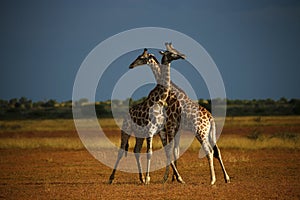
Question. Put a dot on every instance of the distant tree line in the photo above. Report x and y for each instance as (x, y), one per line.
(24, 108)
(263, 107)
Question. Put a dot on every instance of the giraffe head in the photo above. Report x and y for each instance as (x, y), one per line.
(170, 54)
(144, 59)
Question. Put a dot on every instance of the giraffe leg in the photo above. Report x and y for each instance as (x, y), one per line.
(210, 155)
(165, 142)
(168, 150)
(211, 166)
(137, 151)
(177, 175)
(149, 155)
(176, 156)
(122, 150)
(168, 154)
(217, 154)
(112, 176)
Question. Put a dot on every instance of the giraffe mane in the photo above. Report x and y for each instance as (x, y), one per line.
(177, 87)
(154, 58)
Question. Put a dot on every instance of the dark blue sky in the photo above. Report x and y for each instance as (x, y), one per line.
(255, 44)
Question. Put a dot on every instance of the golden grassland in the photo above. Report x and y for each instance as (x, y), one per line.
(35, 143)
(110, 124)
(252, 141)
(265, 121)
(37, 125)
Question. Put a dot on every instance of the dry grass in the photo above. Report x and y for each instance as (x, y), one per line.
(289, 140)
(111, 124)
(35, 143)
(265, 143)
(265, 121)
(75, 143)
(37, 125)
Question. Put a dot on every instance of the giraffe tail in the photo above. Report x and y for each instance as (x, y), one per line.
(212, 133)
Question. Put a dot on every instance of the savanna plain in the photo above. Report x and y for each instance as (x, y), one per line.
(45, 159)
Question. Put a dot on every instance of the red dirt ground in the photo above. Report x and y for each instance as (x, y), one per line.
(66, 174)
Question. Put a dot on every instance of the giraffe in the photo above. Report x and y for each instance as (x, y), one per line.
(147, 118)
(173, 113)
(195, 118)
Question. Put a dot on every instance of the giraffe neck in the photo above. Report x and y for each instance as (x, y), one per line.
(162, 76)
(165, 75)
(161, 73)
(156, 71)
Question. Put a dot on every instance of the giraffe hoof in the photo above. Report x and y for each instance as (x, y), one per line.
(213, 181)
(173, 178)
(164, 181)
(110, 181)
(227, 180)
(180, 180)
(147, 182)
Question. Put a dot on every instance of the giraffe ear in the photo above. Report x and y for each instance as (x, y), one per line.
(162, 52)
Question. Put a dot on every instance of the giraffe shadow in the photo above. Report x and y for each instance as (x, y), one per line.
(122, 183)
(154, 182)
